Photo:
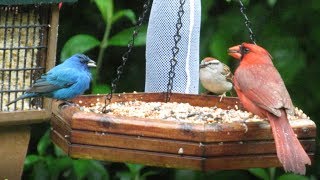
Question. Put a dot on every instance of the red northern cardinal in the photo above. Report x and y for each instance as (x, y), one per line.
(60, 5)
(262, 91)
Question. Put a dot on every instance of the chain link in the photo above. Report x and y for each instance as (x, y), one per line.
(175, 50)
(125, 56)
(247, 22)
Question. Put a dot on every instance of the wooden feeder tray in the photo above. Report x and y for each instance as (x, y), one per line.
(173, 144)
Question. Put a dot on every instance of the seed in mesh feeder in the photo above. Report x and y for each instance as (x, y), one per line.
(18, 57)
(63, 82)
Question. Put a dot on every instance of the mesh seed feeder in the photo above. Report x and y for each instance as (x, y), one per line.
(28, 31)
(28, 37)
(162, 142)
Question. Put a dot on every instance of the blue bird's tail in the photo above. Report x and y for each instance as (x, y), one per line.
(27, 95)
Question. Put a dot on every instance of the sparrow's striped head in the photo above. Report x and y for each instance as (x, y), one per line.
(209, 61)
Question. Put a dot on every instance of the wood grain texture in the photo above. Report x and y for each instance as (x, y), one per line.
(14, 146)
(165, 159)
(157, 128)
(168, 143)
(134, 156)
(174, 146)
(23, 117)
(52, 47)
(60, 141)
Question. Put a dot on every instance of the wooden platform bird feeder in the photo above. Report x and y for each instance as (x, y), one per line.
(174, 144)
(28, 38)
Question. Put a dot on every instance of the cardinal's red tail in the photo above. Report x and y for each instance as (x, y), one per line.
(289, 150)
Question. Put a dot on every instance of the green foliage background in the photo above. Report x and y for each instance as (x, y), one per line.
(288, 29)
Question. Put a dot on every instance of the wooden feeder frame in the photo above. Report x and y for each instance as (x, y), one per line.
(14, 129)
(167, 143)
(35, 116)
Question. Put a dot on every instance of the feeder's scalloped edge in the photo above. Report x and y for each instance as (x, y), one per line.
(173, 144)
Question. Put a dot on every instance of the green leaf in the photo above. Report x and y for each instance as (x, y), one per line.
(272, 172)
(284, 50)
(97, 171)
(206, 6)
(230, 175)
(218, 47)
(260, 173)
(58, 151)
(106, 9)
(272, 2)
(44, 143)
(81, 168)
(100, 89)
(57, 166)
(80, 43)
(246, 2)
(89, 169)
(124, 175)
(135, 168)
(31, 160)
(292, 177)
(40, 171)
(184, 174)
(123, 37)
(126, 13)
(148, 173)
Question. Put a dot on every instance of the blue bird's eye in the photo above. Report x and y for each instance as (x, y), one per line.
(83, 61)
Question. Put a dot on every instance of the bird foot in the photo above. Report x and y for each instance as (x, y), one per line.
(66, 103)
(36, 102)
(222, 96)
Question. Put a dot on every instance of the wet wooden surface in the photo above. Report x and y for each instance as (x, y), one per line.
(170, 143)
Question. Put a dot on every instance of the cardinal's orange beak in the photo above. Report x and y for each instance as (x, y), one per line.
(235, 52)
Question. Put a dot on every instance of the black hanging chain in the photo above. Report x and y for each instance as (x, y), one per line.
(175, 50)
(125, 56)
(247, 22)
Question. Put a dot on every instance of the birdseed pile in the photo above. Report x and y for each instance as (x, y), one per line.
(179, 112)
(16, 55)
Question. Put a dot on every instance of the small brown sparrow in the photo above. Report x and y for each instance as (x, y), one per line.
(215, 76)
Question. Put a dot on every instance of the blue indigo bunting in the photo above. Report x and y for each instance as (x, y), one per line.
(65, 81)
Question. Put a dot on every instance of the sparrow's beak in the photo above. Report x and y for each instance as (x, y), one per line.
(91, 63)
(235, 52)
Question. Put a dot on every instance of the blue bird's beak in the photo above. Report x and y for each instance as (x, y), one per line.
(91, 63)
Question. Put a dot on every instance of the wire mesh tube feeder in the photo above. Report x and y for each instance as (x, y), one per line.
(210, 141)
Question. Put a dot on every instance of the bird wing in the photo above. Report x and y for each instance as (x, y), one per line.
(57, 78)
(263, 85)
(227, 72)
